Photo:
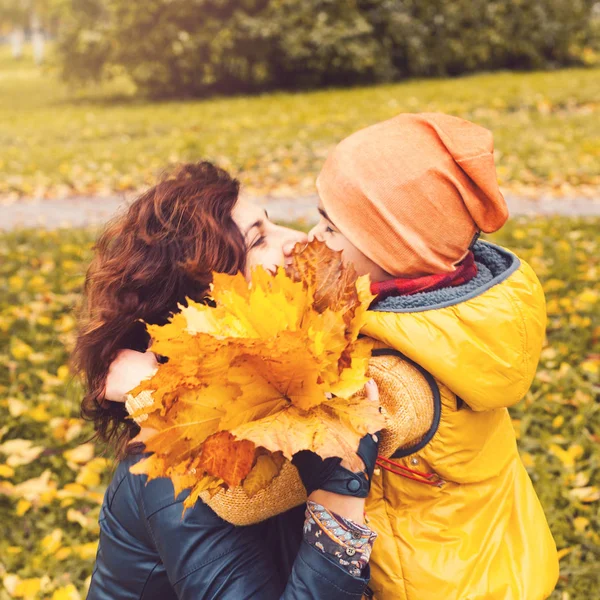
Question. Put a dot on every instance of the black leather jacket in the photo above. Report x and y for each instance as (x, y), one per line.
(148, 551)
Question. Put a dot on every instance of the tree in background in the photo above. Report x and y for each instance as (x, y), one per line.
(439, 38)
(178, 48)
(199, 47)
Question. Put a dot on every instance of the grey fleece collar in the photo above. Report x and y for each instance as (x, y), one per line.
(494, 265)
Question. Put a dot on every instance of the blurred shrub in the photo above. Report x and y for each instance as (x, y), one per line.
(435, 37)
(200, 47)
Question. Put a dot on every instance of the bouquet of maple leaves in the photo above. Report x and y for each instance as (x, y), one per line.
(270, 367)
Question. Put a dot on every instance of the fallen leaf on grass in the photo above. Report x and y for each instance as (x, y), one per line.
(585, 494)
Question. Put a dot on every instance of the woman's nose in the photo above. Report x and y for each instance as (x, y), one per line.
(297, 238)
(315, 233)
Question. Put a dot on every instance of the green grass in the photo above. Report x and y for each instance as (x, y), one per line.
(103, 139)
(48, 526)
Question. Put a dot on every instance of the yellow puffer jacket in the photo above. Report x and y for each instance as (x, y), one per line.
(481, 533)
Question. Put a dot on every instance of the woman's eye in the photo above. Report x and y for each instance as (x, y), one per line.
(328, 229)
(258, 242)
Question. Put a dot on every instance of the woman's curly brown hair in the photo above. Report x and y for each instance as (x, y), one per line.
(162, 251)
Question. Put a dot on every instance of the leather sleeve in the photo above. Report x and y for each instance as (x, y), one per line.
(206, 557)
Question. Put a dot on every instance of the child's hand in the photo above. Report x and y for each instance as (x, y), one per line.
(330, 484)
(372, 395)
(127, 371)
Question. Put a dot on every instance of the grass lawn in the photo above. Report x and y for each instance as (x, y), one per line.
(52, 481)
(103, 140)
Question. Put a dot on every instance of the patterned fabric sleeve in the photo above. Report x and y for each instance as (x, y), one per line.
(346, 542)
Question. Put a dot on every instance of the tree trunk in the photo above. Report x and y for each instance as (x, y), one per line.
(17, 40)
(38, 40)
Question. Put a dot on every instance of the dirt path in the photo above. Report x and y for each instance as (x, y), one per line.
(77, 212)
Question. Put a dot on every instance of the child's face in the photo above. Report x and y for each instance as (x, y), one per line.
(327, 232)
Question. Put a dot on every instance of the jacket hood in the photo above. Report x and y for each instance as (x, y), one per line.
(482, 339)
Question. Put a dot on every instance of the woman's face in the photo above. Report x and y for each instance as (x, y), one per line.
(269, 245)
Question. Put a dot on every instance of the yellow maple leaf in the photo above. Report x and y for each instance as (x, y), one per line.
(153, 466)
(267, 369)
(191, 420)
(266, 468)
(205, 483)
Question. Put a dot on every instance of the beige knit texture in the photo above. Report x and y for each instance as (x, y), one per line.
(406, 399)
(234, 506)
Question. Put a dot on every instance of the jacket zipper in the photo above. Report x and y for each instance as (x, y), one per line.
(426, 478)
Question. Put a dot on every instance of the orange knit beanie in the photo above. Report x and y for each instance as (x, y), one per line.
(411, 192)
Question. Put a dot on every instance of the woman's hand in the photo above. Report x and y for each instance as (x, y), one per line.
(127, 371)
(331, 484)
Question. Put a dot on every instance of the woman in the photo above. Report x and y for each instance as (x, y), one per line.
(161, 252)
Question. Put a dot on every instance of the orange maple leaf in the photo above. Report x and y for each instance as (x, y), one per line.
(225, 457)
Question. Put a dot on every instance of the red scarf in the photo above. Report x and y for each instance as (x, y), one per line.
(465, 271)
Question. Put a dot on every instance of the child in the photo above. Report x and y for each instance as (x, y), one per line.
(456, 512)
